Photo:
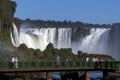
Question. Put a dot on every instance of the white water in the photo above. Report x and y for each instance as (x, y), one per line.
(15, 36)
(64, 38)
(39, 38)
(96, 42)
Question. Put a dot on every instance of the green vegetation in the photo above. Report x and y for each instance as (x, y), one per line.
(65, 23)
(50, 53)
(7, 9)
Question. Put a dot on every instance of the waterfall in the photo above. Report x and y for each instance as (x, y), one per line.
(39, 38)
(15, 36)
(114, 41)
(100, 40)
(96, 42)
(64, 38)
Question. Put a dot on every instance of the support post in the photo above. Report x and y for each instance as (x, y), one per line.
(105, 74)
(27, 76)
(87, 75)
(49, 76)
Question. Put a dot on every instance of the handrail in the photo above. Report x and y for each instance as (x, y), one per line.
(62, 64)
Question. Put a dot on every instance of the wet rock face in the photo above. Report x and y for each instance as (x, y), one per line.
(114, 40)
(79, 32)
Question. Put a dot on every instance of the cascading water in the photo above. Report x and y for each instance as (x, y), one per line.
(64, 38)
(114, 41)
(15, 36)
(96, 42)
(39, 38)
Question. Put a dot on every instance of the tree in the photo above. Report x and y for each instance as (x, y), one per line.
(49, 51)
(80, 54)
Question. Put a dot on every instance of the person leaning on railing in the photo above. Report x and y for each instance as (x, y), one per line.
(12, 62)
(57, 60)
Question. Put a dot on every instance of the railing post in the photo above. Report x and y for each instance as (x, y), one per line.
(87, 75)
(118, 65)
(106, 65)
(105, 73)
(49, 76)
(26, 76)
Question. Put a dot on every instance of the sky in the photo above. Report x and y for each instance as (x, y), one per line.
(88, 11)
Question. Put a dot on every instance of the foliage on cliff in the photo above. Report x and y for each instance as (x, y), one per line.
(65, 23)
(50, 53)
(7, 9)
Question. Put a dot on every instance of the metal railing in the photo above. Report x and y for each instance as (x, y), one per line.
(62, 64)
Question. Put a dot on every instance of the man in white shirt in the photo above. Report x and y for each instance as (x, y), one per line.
(12, 62)
(87, 59)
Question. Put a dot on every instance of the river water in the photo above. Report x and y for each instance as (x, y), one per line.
(94, 75)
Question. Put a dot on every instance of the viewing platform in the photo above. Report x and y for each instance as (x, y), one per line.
(50, 66)
(42, 66)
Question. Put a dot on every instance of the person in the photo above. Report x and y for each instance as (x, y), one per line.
(66, 60)
(57, 60)
(12, 62)
(16, 62)
(100, 62)
(87, 59)
(100, 59)
(94, 61)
